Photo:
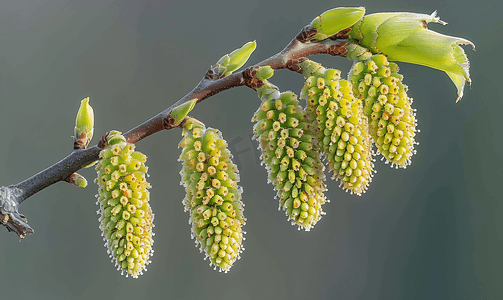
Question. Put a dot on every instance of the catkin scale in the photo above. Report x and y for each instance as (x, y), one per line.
(294, 166)
(126, 219)
(341, 127)
(213, 197)
(392, 121)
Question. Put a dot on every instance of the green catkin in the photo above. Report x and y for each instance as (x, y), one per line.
(126, 219)
(341, 127)
(213, 197)
(392, 121)
(293, 164)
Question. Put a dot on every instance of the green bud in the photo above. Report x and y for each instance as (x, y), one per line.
(239, 57)
(264, 72)
(223, 62)
(84, 124)
(334, 20)
(77, 179)
(180, 112)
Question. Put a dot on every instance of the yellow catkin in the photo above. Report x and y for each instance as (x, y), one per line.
(126, 219)
(293, 164)
(342, 128)
(392, 121)
(213, 197)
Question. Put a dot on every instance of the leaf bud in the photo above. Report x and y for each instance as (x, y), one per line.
(239, 57)
(334, 20)
(179, 113)
(264, 72)
(84, 125)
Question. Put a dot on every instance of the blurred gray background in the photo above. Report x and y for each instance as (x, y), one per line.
(431, 231)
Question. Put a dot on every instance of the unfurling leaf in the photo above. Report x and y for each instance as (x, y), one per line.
(405, 37)
(236, 59)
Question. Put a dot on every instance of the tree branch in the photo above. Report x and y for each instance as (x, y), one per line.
(211, 84)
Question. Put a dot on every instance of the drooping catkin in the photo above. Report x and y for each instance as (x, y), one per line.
(213, 196)
(342, 128)
(392, 121)
(293, 163)
(126, 219)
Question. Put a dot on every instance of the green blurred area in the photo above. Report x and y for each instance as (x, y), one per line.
(431, 231)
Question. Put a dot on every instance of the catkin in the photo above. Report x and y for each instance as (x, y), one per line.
(392, 121)
(213, 196)
(293, 163)
(126, 219)
(342, 129)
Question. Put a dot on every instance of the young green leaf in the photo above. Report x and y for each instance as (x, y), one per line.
(335, 20)
(239, 57)
(264, 72)
(405, 37)
(84, 124)
(180, 112)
